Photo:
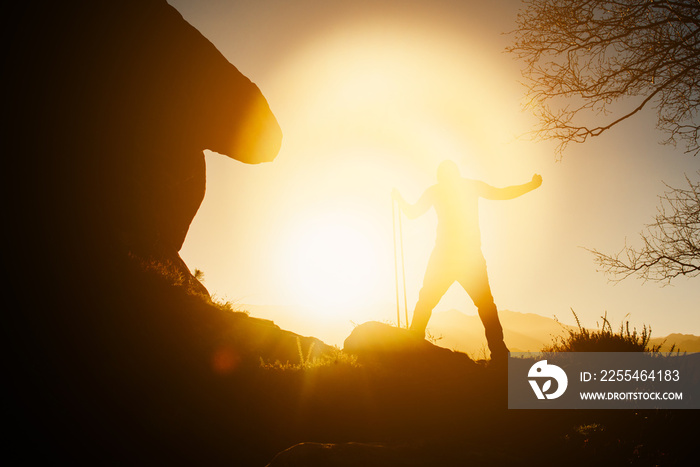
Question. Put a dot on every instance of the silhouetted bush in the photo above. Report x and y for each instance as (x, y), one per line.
(604, 339)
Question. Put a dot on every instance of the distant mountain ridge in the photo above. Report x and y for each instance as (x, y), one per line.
(455, 330)
(523, 332)
(683, 342)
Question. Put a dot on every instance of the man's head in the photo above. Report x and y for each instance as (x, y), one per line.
(448, 172)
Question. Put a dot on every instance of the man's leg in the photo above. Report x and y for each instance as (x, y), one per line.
(435, 283)
(476, 283)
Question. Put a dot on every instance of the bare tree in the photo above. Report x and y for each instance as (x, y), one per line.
(670, 246)
(591, 64)
(612, 58)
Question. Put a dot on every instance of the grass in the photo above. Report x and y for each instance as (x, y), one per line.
(604, 339)
(308, 362)
(228, 305)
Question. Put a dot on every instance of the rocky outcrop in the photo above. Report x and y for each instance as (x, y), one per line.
(107, 109)
(375, 342)
(112, 104)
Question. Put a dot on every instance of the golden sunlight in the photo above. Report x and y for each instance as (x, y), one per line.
(423, 93)
(375, 108)
(332, 262)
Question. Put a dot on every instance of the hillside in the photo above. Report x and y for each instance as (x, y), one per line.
(159, 373)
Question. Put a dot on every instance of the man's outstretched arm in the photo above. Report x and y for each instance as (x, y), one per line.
(510, 192)
(413, 210)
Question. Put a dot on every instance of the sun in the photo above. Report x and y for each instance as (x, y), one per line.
(332, 262)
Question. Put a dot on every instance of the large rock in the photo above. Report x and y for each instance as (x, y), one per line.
(108, 107)
(112, 104)
(375, 342)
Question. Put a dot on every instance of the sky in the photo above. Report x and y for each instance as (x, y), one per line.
(372, 95)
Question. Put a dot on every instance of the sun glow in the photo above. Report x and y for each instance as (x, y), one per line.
(373, 108)
(418, 90)
(363, 109)
(375, 99)
(332, 262)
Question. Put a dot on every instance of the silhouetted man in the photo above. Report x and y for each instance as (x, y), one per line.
(457, 254)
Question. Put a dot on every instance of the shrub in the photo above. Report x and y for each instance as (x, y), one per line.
(604, 339)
